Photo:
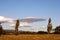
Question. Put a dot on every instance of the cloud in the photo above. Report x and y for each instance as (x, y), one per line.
(25, 22)
(32, 19)
(38, 28)
(27, 19)
(22, 24)
(4, 19)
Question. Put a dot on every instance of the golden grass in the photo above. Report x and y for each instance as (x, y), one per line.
(31, 37)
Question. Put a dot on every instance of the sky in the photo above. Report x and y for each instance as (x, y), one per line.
(32, 8)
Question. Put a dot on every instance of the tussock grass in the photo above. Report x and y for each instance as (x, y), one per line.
(31, 37)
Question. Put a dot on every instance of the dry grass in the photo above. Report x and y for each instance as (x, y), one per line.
(31, 37)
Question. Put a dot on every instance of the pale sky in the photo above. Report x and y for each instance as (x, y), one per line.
(32, 8)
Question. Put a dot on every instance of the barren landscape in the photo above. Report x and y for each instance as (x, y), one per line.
(31, 37)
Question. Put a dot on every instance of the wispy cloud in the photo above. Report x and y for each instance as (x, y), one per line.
(32, 19)
(22, 24)
(27, 19)
(4, 19)
(25, 22)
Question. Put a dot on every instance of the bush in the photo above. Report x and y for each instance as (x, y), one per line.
(1, 29)
(57, 29)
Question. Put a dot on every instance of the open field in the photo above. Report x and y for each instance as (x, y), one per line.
(31, 37)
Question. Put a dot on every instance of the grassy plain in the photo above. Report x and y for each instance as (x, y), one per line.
(31, 37)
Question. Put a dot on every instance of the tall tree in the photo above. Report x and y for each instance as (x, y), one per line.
(49, 26)
(1, 29)
(16, 26)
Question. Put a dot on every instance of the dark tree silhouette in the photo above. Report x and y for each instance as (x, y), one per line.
(1, 29)
(16, 27)
(57, 29)
(49, 26)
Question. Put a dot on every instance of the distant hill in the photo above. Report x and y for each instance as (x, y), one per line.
(23, 32)
(42, 32)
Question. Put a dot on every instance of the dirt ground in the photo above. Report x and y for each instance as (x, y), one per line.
(31, 37)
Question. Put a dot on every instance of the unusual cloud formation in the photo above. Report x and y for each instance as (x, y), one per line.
(31, 19)
(4, 19)
(23, 22)
(28, 19)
